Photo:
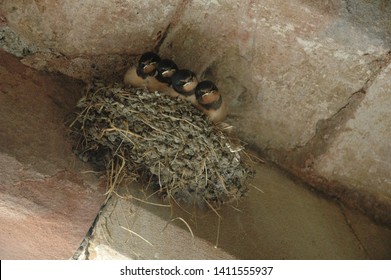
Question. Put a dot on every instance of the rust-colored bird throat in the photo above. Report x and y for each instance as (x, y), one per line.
(214, 105)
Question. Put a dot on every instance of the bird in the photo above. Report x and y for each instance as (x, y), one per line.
(184, 82)
(210, 101)
(162, 80)
(137, 75)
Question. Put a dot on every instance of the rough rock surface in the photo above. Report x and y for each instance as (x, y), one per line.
(85, 38)
(90, 27)
(47, 204)
(360, 156)
(359, 142)
(294, 72)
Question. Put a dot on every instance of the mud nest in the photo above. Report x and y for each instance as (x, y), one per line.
(163, 141)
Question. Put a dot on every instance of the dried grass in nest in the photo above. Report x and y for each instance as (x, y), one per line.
(159, 139)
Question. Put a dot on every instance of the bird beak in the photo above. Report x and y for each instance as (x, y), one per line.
(149, 67)
(208, 93)
(167, 73)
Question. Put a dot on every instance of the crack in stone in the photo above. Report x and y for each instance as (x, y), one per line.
(175, 19)
(328, 129)
(161, 37)
(300, 160)
(350, 226)
(83, 249)
(383, 63)
(85, 244)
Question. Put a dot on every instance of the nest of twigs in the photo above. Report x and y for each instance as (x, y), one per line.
(162, 141)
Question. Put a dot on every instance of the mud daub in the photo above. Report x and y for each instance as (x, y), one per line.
(163, 141)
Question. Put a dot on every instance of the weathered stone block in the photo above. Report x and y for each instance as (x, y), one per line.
(90, 27)
(360, 157)
(47, 202)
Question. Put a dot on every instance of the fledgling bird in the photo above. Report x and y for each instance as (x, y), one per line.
(165, 69)
(184, 83)
(137, 75)
(210, 101)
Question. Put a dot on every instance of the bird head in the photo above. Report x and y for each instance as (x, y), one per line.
(148, 62)
(184, 82)
(207, 93)
(165, 70)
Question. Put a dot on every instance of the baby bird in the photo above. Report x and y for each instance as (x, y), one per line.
(184, 83)
(136, 76)
(162, 80)
(210, 101)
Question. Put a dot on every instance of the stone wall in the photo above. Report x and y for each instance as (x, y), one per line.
(48, 197)
(307, 81)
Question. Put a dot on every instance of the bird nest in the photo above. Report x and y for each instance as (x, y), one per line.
(163, 142)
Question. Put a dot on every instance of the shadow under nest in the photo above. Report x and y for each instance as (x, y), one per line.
(162, 142)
